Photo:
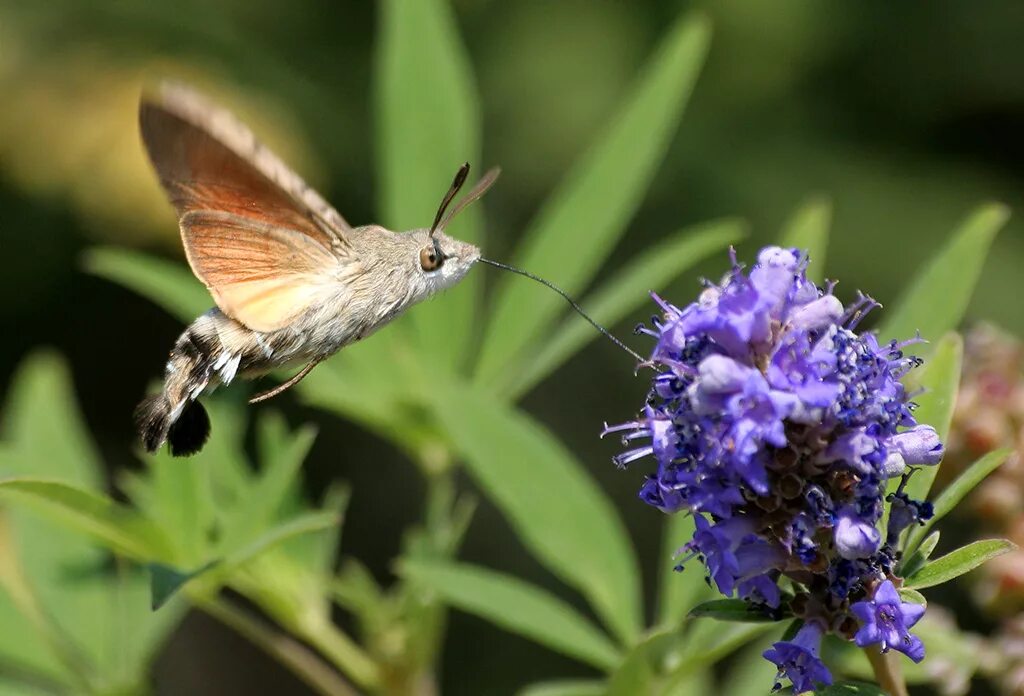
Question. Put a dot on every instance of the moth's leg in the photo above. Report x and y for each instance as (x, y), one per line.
(271, 393)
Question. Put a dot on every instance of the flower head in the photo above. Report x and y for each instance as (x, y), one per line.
(886, 618)
(798, 660)
(778, 426)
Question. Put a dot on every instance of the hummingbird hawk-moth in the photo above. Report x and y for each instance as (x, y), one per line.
(292, 281)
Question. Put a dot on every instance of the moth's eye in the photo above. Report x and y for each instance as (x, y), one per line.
(430, 258)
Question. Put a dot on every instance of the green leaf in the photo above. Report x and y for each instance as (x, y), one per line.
(678, 591)
(283, 454)
(565, 687)
(644, 665)
(913, 596)
(724, 641)
(429, 123)
(583, 220)
(166, 283)
(940, 378)
(518, 607)
(618, 297)
(849, 688)
(302, 524)
(957, 490)
(557, 510)
(808, 230)
(735, 610)
(119, 527)
(956, 563)
(165, 581)
(937, 297)
(917, 558)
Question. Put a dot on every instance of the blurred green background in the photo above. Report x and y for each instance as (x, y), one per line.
(904, 115)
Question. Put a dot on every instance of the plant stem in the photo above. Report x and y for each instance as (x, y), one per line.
(303, 662)
(887, 672)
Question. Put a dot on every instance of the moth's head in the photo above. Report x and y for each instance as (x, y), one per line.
(441, 260)
(444, 260)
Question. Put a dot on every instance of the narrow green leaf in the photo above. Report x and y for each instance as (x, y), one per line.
(644, 665)
(624, 293)
(165, 581)
(282, 453)
(166, 283)
(116, 526)
(940, 378)
(956, 563)
(583, 220)
(558, 511)
(302, 524)
(808, 230)
(518, 607)
(429, 117)
(735, 610)
(917, 558)
(957, 490)
(849, 688)
(678, 591)
(937, 297)
(565, 687)
(913, 596)
(726, 641)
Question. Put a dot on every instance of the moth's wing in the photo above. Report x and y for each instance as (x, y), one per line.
(265, 244)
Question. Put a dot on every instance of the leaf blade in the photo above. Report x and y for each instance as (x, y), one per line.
(538, 486)
(517, 606)
(956, 563)
(951, 274)
(427, 104)
(940, 377)
(589, 211)
(956, 491)
(113, 524)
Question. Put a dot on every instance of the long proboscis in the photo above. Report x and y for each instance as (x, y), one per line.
(575, 305)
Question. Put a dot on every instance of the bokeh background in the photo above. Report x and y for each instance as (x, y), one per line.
(904, 115)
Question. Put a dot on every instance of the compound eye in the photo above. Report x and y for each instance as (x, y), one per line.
(430, 258)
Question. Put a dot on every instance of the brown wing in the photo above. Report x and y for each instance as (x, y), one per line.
(265, 244)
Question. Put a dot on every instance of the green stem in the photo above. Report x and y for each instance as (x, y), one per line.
(887, 672)
(305, 664)
(344, 653)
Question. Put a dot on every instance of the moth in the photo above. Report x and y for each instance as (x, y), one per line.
(292, 281)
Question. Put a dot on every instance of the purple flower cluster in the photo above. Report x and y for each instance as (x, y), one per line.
(778, 426)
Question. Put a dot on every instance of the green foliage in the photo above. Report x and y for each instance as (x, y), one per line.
(732, 610)
(951, 275)
(219, 520)
(557, 510)
(426, 104)
(940, 379)
(518, 607)
(588, 213)
(955, 492)
(956, 563)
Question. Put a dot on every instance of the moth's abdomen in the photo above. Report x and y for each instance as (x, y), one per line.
(173, 415)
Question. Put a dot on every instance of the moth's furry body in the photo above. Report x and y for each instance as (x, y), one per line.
(292, 281)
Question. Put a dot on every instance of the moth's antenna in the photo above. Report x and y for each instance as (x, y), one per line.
(460, 179)
(478, 190)
(571, 301)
